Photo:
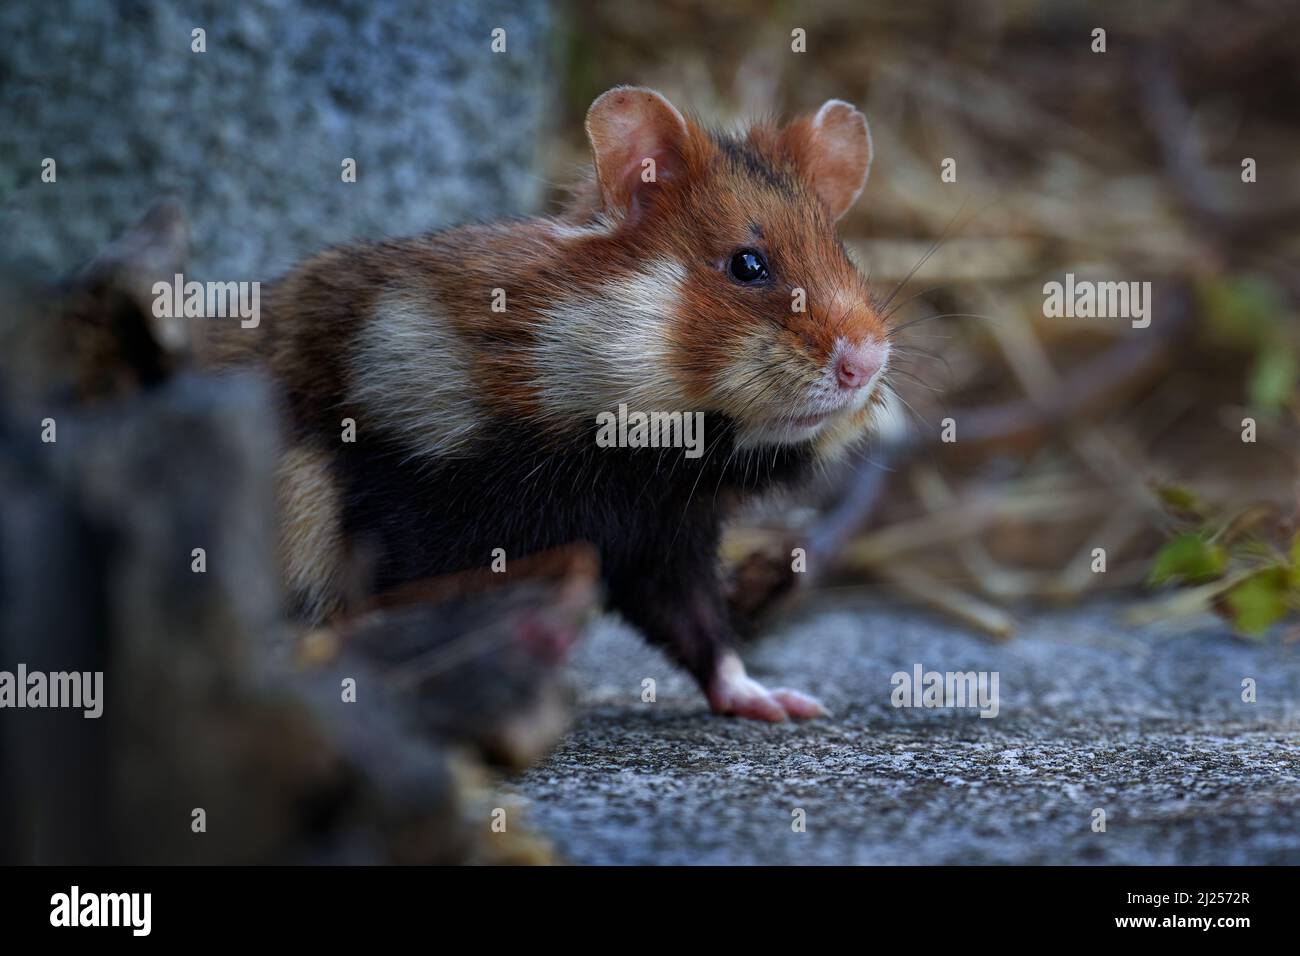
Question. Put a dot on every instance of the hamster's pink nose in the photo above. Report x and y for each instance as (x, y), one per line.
(858, 364)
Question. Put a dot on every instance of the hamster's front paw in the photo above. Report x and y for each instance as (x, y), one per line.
(734, 692)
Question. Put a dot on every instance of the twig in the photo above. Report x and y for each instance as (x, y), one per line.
(923, 588)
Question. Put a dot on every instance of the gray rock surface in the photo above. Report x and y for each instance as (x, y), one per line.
(250, 135)
(1147, 724)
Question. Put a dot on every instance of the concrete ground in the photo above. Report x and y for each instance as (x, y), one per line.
(1146, 724)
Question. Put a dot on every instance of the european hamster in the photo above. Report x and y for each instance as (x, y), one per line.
(480, 368)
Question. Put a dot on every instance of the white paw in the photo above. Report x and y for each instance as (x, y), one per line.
(734, 692)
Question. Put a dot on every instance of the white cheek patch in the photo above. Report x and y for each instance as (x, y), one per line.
(765, 382)
(595, 351)
(810, 391)
(412, 372)
(745, 387)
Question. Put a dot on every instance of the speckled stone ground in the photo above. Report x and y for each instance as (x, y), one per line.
(1146, 724)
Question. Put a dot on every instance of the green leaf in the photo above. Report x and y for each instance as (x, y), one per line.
(1259, 601)
(1273, 378)
(1181, 498)
(1190, 558)
(1241, 311)
(1295, 561)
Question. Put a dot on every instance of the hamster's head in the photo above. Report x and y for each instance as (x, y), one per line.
(738, 298)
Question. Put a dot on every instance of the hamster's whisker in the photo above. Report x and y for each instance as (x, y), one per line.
(942, 315)
(915, 352)
(908, 405)
(943, 236)
(912, 298)
(917, 380)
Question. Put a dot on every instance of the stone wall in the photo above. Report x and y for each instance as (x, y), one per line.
(250, 135)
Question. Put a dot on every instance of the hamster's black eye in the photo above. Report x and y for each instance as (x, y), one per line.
(748, 265)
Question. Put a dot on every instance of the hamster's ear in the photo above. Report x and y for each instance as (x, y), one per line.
(833, 147)
(627, 126)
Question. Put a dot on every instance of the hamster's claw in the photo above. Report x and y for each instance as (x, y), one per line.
(799, 705)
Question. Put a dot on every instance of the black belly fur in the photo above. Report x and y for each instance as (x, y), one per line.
(653, 515)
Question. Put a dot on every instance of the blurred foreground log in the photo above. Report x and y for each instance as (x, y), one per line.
(138, 539)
